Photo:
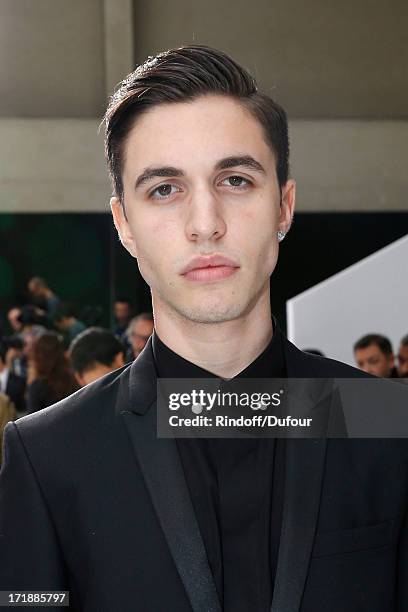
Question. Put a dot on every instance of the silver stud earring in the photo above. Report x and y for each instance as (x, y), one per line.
(281, 235)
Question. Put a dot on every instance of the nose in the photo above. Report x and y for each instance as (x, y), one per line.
(205, 220)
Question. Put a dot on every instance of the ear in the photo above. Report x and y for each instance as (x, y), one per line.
(287, 206)
(122, 226)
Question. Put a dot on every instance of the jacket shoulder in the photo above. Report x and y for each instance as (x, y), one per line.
(321, 367)
(94, 401)
(332, 367)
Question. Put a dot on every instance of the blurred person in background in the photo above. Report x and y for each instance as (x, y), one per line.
(10, 384)
(50, 375)
(139, 331)
(373, 354)
(13, 317)
(123, 312)
(33, 326)
(403, 358)
(42, 296)
(65, 321)
(94, 353)
(7, 414)
(17, 359)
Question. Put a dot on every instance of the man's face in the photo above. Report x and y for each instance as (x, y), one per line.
(200, 180)
(373, 361)
(139, 335)
(403, 361)
(35, 289)
(122, 312)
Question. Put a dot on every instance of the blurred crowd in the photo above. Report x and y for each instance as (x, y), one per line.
(373, 353)
(47, 352)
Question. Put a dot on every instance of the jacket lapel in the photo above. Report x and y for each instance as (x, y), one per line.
(161, 466)
(304, 468)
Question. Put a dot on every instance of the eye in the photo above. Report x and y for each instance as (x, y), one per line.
(236, 182)
(164, 191)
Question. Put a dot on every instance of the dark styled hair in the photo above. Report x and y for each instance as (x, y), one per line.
(52, 366)
(181, 75)
(29, 316)
(64, 310)
(381, 341)
(92, 346)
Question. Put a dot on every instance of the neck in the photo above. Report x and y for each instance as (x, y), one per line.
(226, 348)
(95, 373)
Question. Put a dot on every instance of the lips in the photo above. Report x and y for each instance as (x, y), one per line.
(205, 262)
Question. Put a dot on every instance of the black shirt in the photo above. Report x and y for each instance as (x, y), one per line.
(236, 490)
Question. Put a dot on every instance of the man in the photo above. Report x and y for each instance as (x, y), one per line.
(403, 358)
(126, 520)
(33, 328)
(65, 320)
(139, 331)
(373, 354)
(122, 310)
(43, 296)
(94, 353)
(10, 384)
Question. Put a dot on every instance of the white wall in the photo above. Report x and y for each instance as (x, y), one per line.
(369, 296)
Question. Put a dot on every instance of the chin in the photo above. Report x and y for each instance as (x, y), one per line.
(211, 313)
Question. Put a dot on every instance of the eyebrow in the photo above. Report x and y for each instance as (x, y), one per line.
(150, 173)
(245, 161)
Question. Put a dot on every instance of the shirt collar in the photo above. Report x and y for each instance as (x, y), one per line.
(269, 364)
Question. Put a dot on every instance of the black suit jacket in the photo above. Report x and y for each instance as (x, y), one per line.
(15, 389)
(92, 502)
